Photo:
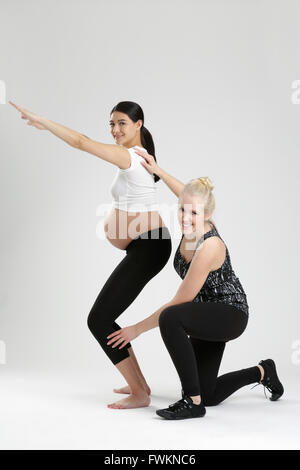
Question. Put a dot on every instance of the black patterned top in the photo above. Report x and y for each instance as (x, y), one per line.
(221, 285)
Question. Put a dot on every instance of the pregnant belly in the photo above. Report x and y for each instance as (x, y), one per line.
(120, 227)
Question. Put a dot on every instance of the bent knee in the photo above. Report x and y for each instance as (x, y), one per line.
(91, 320)
(96, 320)
(167, 316)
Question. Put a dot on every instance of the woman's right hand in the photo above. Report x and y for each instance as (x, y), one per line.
(32, 118)
(149, 163)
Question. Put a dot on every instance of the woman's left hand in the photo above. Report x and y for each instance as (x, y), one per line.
(33, 119)
(149, 161)
(124, 335)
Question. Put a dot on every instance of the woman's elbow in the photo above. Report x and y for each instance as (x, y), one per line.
(80, 142)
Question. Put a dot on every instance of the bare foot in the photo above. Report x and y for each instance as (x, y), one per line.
(132, 401)
(126, 389)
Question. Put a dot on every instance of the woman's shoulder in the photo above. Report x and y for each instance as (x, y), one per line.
(212, 241)
(134, 158)
(214, 251)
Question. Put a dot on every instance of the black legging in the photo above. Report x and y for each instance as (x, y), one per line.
(197, 357)
(145, 257)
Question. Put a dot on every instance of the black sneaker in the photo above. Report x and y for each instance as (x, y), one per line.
(183, 409)
(271, 380)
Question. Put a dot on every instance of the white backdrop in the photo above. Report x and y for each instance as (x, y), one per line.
(215, 82)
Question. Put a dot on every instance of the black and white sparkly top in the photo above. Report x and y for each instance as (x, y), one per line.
(221, 285)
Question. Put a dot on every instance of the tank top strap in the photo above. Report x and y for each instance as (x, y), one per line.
(211, 233)
(212, 225)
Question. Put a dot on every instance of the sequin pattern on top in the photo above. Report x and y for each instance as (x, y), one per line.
(221, 285)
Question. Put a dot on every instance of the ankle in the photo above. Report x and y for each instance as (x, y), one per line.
(139, 392)
(196, 399)
(145, 386)
(262, 371)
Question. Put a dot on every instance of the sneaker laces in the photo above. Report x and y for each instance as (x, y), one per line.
(179, 405)
(265, 387)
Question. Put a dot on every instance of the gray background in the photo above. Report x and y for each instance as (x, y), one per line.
(214, 79)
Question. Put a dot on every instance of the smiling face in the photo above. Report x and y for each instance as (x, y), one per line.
(124, 131)
(191, 216)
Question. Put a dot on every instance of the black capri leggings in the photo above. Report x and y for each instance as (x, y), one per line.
(195, 334)
(145, 257)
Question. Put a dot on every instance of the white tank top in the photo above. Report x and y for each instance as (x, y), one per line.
(134, 189)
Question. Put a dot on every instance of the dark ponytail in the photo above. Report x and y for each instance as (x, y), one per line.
(135, 112)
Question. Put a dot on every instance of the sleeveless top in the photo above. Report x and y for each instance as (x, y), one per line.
(134, 189)
(221, 285)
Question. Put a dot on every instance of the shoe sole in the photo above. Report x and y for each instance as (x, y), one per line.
(178, 417)
(275, 396)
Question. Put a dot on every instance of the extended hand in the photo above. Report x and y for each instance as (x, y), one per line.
(33, 119)
(124, 335)
(149, 163)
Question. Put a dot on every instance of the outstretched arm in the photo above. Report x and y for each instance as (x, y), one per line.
(128, 333)
(201, 265)
(173, 183)
(198, 271)
(111, 153)
(150, 164)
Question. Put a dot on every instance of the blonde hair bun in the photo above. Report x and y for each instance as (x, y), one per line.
(201, 188)
(205, 180)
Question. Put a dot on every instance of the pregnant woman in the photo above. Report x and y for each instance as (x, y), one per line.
(133, 224)
(209, 309)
